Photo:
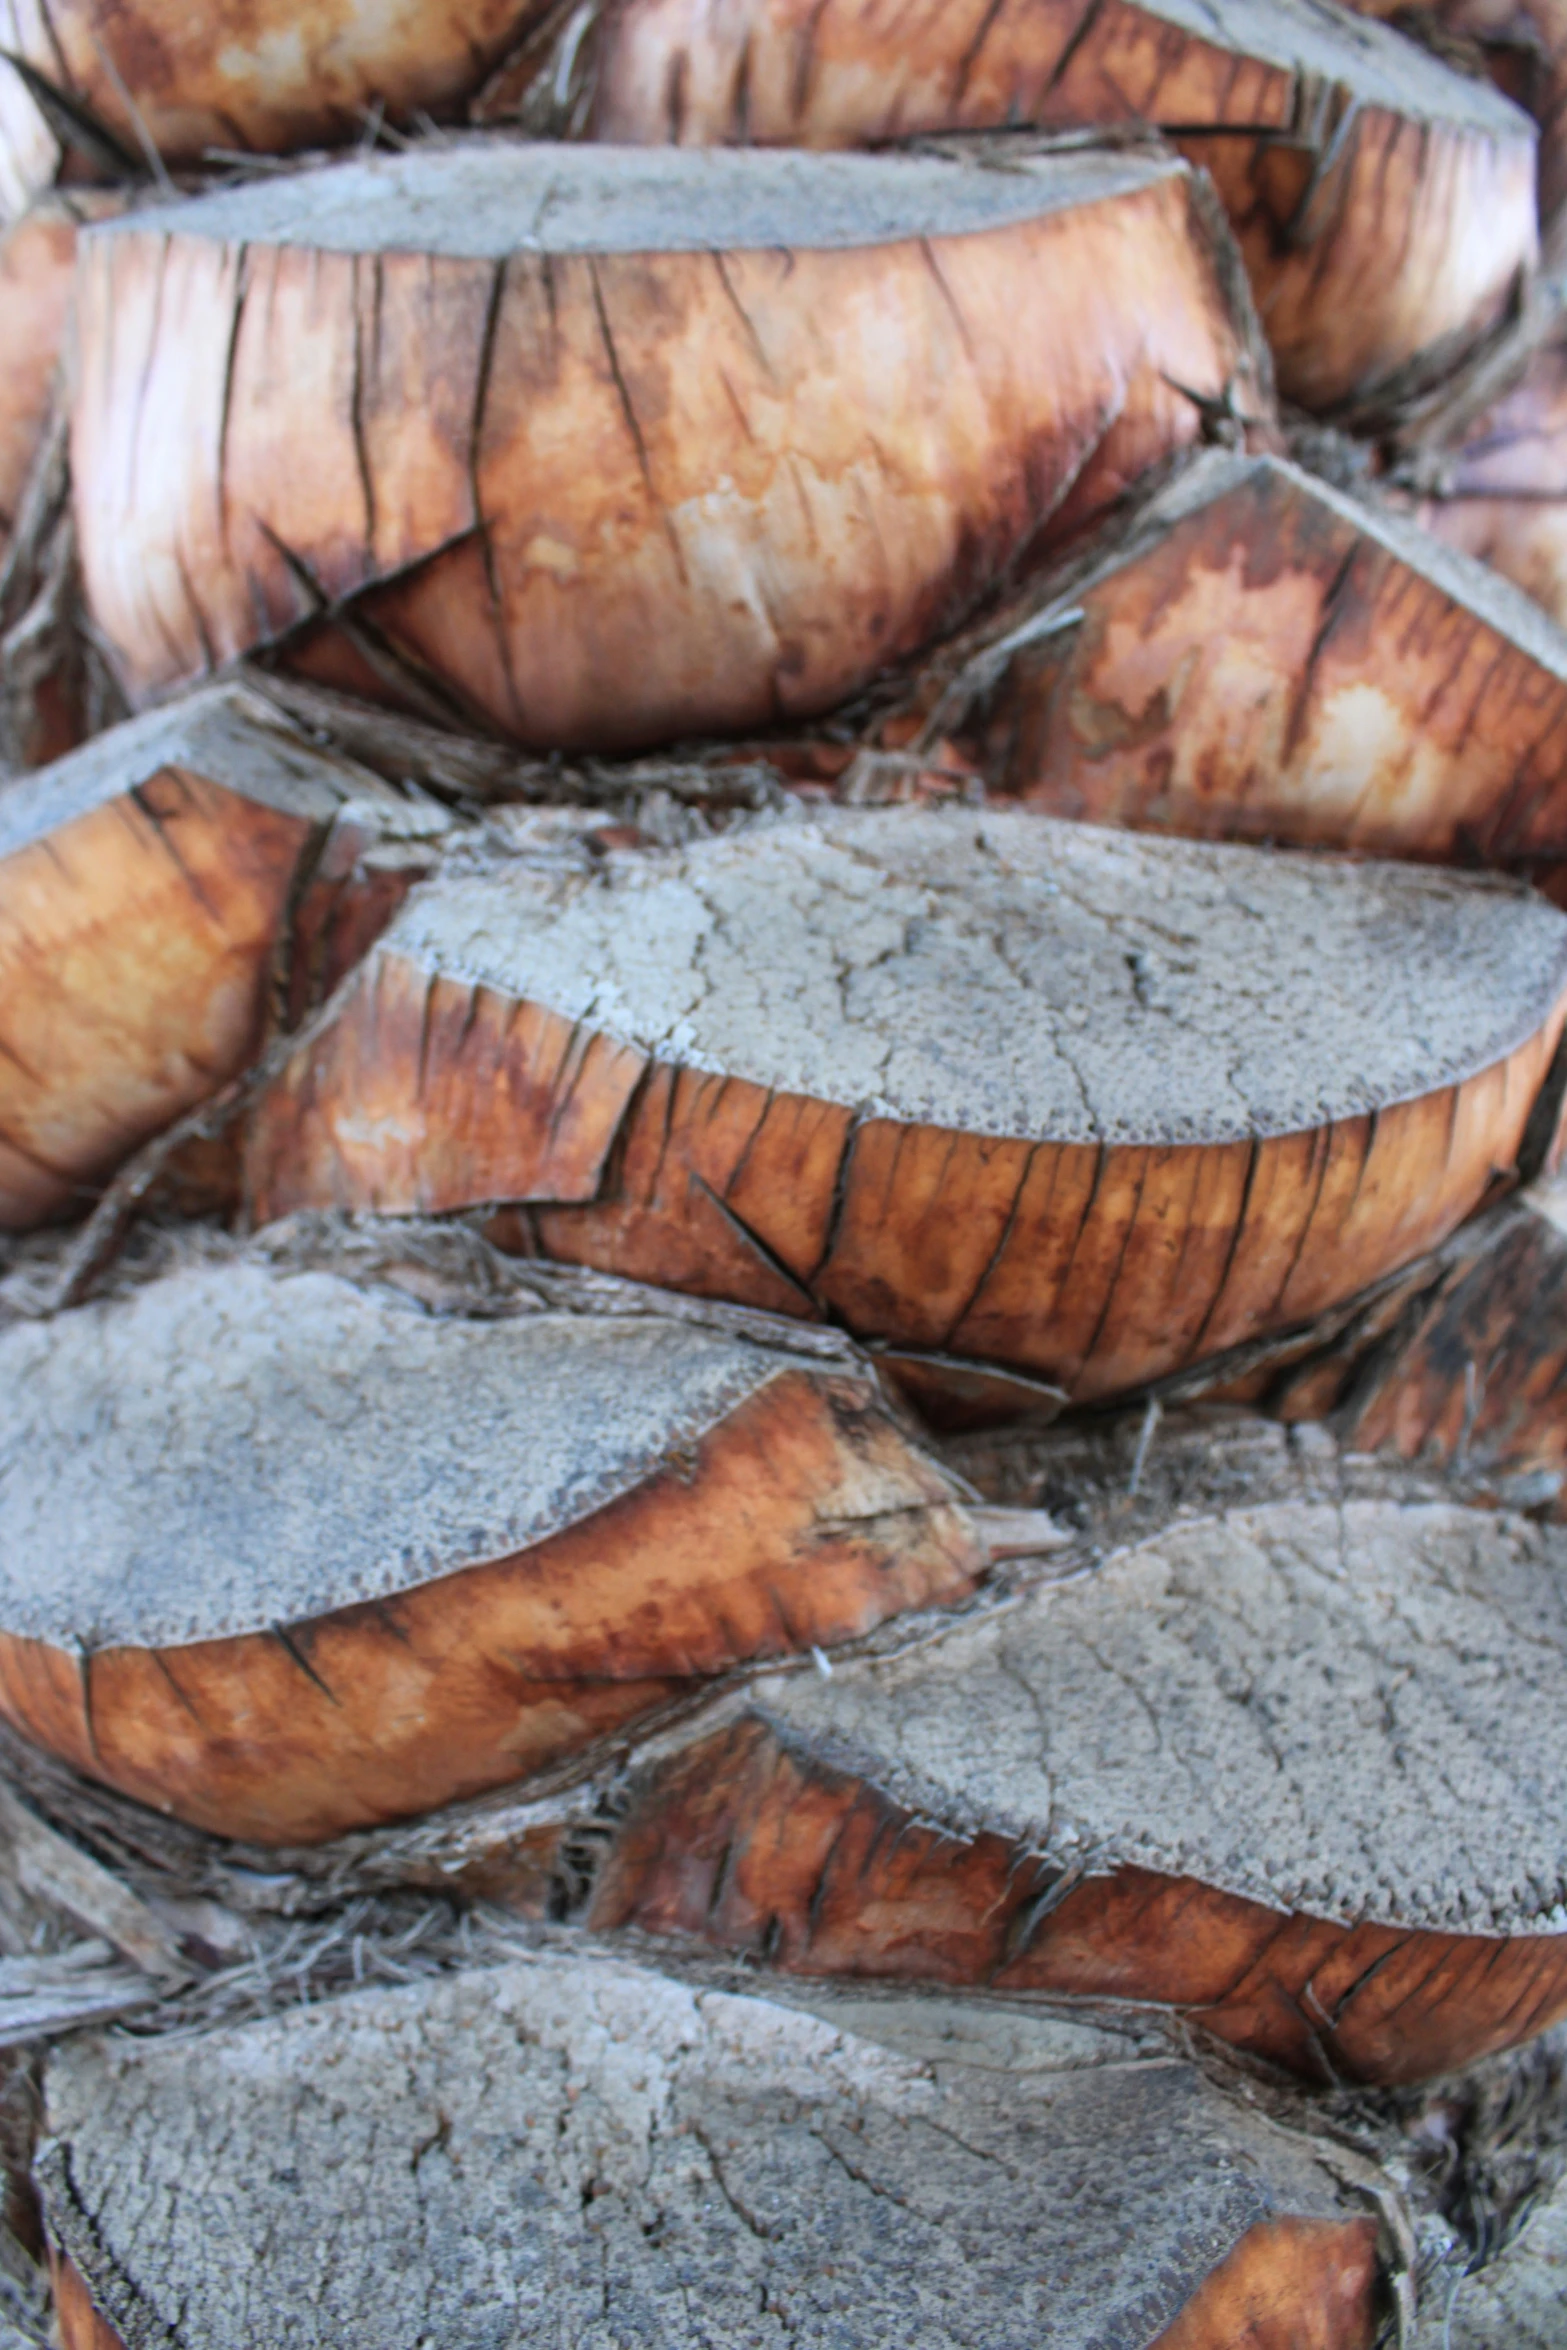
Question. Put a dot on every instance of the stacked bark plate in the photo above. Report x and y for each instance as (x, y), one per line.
(778, 1428)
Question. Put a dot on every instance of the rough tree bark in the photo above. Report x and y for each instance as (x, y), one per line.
(1291, 1769)
(586, 2149)
(606, 448)
(165, 893)
(1090, 1104)
(97, 83)
(286, 1555)
(1256, 655)
(1384, 204)
(1522, 44)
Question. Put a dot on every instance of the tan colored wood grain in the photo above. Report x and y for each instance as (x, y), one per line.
(37, 272)
(756, 1545)
(1094, 1267)
(745, 1844)
(135, 947)
(1522, 44)
(262, 75)
(604, 499)
(166, 895)
(1289, 2284)
(1382, 228)
(81, 2326)
(1263, 660)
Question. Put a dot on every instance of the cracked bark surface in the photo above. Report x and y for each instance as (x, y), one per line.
(1262, 657)
(1289, 1769)
(1522, 44)
(590, 2149)
(286, 1553)
(1087, 1104)
(257, 75)
(1384, 204)
(165, 893)
(604, 448)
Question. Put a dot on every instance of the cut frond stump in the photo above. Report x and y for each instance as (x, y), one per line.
(165, 893)
(602, 448)
(285, 1555)
(1293, 1770)
(1384, 204)
(577, 2149)
(1259, 656)
(1083, 1102)
(93, 85)
(1522, 44)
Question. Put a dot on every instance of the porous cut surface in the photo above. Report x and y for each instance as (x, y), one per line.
(230, 1448)
(586, 2153)
(483, 200)
(1010, 975)
(1346, 1709)
(223, 734)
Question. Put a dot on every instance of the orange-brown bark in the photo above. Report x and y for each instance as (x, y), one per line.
(80, 2324)
(378, 1711)
(1522, 44)
(136, 944)
(1381, 226)
(1094, 1267)
(1260, 659)
(37, 272)
(141, 939)
(745, 1845)
(1289, 2284)
(265, 75)
(612, 498)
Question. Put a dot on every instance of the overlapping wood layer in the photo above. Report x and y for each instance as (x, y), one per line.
(285, 1555)
(1522, 44)
(1289, 1769)
(1085, 1103)
(164, 893)
(1262, 657)
(608, 447)
(92, 85)
(574, 2145)
(1384, 204)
